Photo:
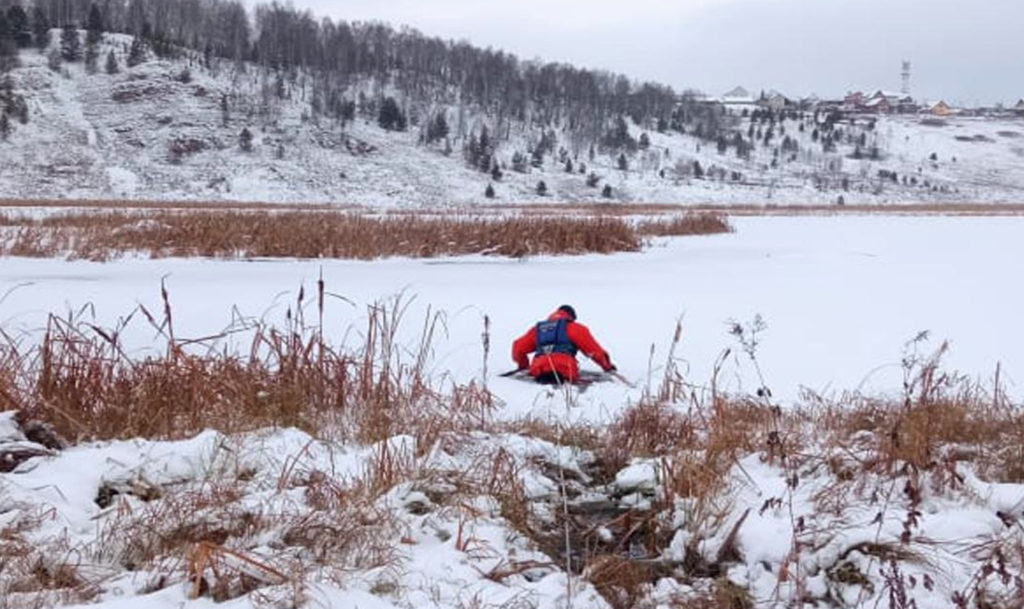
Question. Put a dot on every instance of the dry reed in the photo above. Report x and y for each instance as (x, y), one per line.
(320, 234)
(80, 380)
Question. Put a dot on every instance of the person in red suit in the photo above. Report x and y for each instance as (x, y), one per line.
(556, 342)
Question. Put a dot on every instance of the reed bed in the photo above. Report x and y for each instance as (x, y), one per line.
(79, 380)
(317, 234)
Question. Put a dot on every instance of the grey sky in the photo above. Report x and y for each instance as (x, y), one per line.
(966, 52)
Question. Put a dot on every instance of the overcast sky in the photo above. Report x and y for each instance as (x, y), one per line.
(966, 52)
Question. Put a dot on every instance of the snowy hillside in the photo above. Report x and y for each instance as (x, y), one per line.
(156, 132)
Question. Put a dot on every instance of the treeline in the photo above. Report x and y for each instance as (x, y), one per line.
(425, 72)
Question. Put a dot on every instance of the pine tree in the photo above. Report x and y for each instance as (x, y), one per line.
(137, 53)
(486, 152)
(471, 151)
(568, 166)
(112, 67)
(245, 140)
(607, 192)
(70, 44)
(645, 141)
(542, 188)
(225, 112)
(391, 117)
(5, 126)
(623, 162)
(94, 31)
(489, 193)
(92, 57)
(538, 158)
(497, 173)
(519, 162)
(698, 171)
(20, 30)
(438, 128)
(8, 48)
(53, 60)
(40, 29)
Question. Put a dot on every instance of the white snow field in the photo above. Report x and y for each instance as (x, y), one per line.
(841, 296)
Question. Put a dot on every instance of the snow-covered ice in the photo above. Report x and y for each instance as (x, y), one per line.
(841, 297)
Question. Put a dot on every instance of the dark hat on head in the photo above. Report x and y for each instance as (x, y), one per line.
(568, 309)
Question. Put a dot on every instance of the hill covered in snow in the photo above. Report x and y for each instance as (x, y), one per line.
(193, 127)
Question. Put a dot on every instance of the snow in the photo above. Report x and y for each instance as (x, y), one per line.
(641, 476)
(82, 142)
(841, 298)
(434, 570)
(9, 430)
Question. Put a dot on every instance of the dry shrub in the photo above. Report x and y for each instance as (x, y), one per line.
(102, 235)
(942, 418)
(579, 435)
(648, 429)
(212, 534)
(34, 574)
(137, 538)
(503, 483)
(965, 425)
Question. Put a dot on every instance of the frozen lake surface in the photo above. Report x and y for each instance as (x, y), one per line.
(841, 297)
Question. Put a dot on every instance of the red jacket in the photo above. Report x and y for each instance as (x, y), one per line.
(562, 364)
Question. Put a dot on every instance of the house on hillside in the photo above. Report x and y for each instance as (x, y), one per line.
(877, 104)
(854, 101)
(774, 101)
(739, 100)
(940, 108)
(739, 95)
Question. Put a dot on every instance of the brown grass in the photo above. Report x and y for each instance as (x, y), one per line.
(80, 380)
(962, 425)
(685, 225)
(320, 234)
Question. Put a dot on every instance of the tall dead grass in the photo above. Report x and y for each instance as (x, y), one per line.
(943, 426)
(321, 234)
(80, 380)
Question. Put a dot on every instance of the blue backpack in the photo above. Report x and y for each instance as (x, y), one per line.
(553, 337)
